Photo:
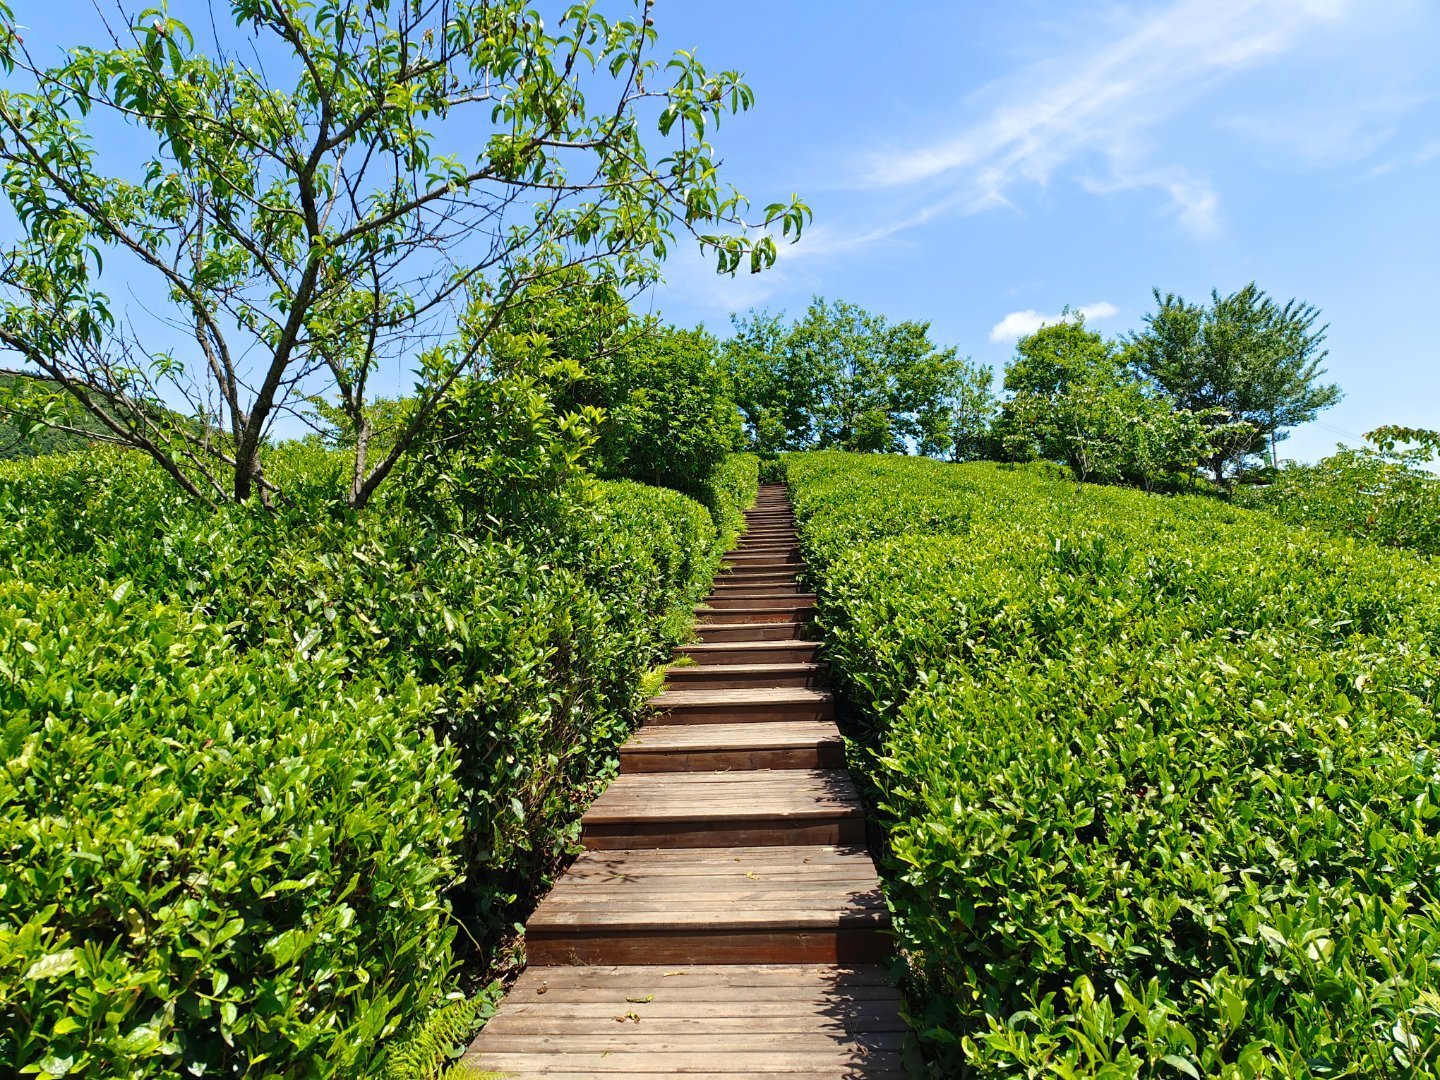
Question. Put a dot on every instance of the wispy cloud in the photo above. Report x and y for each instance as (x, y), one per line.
(1426, 154)
(1336, 130)
(1020, 324)
(1099, 106)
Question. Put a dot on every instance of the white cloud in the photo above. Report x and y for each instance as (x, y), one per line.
(1020, 324)
(1101, 104)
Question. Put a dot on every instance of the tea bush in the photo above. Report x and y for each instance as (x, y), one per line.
(1159, 777)
(263, 770)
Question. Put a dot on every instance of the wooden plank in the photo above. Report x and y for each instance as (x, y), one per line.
(715, 676)
(786, 944)
(626, 978)
(797, 1015)
(760, 695)
(708, 705)
(775, 735)
(551, 1074)
(760, 599)
(715, 747)
(841, 1066)
(821, 1043)
(713, 633)
(750, 652)
(725, 834)
(792, 612)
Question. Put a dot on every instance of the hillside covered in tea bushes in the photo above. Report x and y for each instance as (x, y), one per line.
(1158, 775)
(271, 778)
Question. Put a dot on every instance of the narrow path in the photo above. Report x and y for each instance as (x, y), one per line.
(725, 919)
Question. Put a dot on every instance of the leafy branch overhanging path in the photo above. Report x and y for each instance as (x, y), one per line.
(725, 919)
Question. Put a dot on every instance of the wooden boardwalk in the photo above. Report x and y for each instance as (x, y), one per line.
(725, 919)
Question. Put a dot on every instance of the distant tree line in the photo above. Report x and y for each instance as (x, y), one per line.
(568, 372)
(845, 378)
(1212, 387)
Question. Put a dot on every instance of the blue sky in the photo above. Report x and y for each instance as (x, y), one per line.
(982, 165)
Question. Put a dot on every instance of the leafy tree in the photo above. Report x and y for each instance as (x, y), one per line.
(1384, 492)
(1073, 400)
(775, 395)
(663, 410)
(1249, 365)
(669, 417)
(380, 196)
(1045, 366)
(842, 377)
(968, 434)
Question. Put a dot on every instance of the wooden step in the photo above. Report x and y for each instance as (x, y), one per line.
(725, 809)
(763, 564)
(743, 704)
(779, 631)
(752, 599)
(696, 1022)
(712, 906)
(761, 579)
(746, 590)
(788, 744)
(717, 677)
(789, 613)
(749, 652)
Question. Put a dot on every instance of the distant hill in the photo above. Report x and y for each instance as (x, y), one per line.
(44, 440)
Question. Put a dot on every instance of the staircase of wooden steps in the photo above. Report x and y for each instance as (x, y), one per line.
(725, 919)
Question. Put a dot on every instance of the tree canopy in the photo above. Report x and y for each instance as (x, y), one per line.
(1245, 362)
(378, 196)
(1073, 400)
(844, 377)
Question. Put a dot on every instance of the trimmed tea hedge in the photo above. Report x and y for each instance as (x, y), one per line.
(261, 768)
(1160, 777)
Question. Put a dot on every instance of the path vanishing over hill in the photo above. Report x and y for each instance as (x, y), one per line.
(725, 919)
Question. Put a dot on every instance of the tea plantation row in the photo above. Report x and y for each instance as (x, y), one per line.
(1160, 777)
(266, 775)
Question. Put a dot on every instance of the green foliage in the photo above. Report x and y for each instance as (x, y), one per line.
(653, 399)
(848, 378)
(968, 432)
(732, 488)
(22, 401)
(1247, 365)
(382, 421)
(503, 453)
(669, 418)
(774, 392)
(214, 860)
(1381, 492)
(378, 200)
(1158, 776)
(1073, 401)
(772, 470)
(428, 1050)
(261, 765)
